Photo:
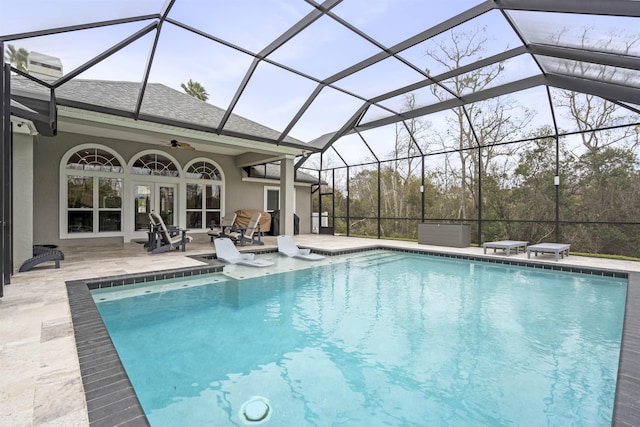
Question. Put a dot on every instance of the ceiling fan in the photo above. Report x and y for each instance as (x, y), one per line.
(176, 144)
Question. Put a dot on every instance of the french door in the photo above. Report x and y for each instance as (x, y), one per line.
(147, 197)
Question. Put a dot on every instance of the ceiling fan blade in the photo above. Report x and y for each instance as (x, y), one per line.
(176, 144)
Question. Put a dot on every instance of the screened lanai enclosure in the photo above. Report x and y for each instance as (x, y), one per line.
(518, 117)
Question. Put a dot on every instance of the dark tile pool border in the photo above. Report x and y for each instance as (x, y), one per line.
(112, 401)
(626, 409)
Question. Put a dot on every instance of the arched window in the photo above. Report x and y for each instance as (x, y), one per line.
(93, 186)
(204, 194)
(154, 164)
(155, 183)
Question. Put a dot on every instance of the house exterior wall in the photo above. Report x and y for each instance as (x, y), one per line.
(303, 208)
(48, 153)
(22, 198)
(46, 162)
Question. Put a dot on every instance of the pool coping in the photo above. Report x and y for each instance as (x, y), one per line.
(111, 399)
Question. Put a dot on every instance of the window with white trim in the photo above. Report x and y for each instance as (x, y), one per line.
(204, 194)
(272, 198)
(156, 165)
(94, 190)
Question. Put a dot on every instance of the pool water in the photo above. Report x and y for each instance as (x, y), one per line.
(376, 338)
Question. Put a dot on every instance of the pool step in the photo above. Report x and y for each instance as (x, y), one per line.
(119, 292)
(377, 259)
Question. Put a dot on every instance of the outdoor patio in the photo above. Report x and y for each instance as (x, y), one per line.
(38, 348)
(515, 119)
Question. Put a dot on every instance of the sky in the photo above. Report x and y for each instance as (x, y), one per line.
(274, 94)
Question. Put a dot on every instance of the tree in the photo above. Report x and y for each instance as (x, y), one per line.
(18, 57)
(401, 177)
(589, 112)
(606, 153)
(363, 198)
(399, 181)
(195, 89)
(475, 131)
(533, 196)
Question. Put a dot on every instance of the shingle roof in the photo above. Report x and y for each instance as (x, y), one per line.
(160, 102)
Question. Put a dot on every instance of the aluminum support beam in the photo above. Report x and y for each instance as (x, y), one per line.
(604, 7)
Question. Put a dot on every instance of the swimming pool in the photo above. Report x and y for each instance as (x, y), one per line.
(374, 338)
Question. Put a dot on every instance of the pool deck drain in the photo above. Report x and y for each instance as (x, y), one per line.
(255, 411)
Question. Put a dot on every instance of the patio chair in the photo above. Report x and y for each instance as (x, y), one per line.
(287, 246)
(164, 240)
(226, 251)
(226, 225)
(250, 233)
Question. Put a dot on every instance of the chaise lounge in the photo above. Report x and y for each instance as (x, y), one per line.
(287, 246)
(226, 251)
(42, 254)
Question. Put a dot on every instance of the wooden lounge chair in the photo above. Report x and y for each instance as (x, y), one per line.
(226, 225)
(226, 251)
(167, 240)
(250, 233)
(287, 246)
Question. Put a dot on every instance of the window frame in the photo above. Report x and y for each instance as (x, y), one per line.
(267, 189)
(96, 176)
(206, 183)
